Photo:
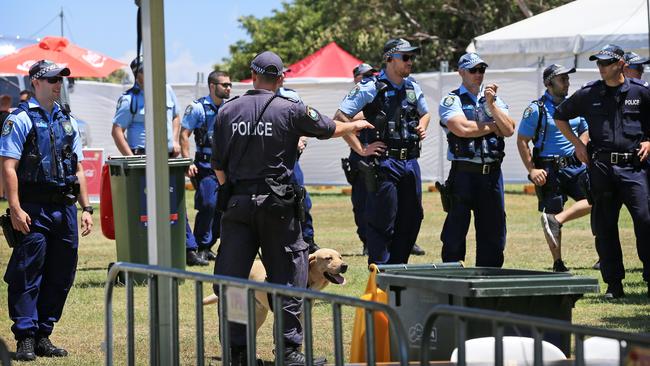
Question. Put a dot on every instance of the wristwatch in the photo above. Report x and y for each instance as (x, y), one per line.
(88, 209)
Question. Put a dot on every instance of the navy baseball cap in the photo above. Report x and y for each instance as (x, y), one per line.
(555, 70)
(470, 60)
(267, 63)
(362, 69)
(44, 69)
(137, 65)
(631, 58)
(399, 45)
(610, 51)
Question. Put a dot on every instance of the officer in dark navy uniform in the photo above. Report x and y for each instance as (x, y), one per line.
(634, 65)
(129, 119)
(476, 121)
(617, 110)
(393, 102)
(552, 166)
(199, 119)
(40, 150)
(254, 151)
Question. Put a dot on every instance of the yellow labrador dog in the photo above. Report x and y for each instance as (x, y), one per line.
(325, 267)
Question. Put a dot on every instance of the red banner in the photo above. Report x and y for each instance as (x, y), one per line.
(92, 163)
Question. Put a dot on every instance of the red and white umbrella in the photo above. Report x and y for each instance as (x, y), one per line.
(81, 62)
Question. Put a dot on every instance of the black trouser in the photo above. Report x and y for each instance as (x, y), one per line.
(246, 227)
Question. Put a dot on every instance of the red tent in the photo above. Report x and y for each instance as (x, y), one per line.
(330, 61)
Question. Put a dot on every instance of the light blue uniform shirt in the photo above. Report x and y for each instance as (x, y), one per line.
(555, 144)
(15, 134)
(365, 91)
(134, 123)
(451, 106)
(195, 116)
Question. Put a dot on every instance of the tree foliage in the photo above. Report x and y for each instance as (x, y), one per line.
(442, 28)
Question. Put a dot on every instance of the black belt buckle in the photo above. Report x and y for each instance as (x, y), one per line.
(562, 162)
(403, 153)
(485, 169)
(613, 158)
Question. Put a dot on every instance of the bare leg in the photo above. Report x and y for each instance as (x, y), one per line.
(577, 210)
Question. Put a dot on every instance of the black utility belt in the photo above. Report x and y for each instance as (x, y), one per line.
(615, 158)
(202, 157)
(67, 196)
(404, 153)
(251, 189)
(138, 151)
(468, 166)
(558, 161)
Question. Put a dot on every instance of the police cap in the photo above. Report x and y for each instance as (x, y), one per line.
(362, 69)
(610, 51)
(470, 60)
(555, 70)
(137, 65)
(631, 58)
(267, 63)
(44, 69)
(398, 45)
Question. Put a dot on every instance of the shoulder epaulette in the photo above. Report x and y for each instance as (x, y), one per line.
(288, 98)
(639, 82)
(591, 84)
(231, 99)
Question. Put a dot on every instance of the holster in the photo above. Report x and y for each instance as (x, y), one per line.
(300, 195)
(445, 196)
(283, 199)
(224, 192)
(350, 172)
(11, 235)
(370, 176)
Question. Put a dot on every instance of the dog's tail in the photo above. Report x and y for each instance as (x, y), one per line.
(210, 299)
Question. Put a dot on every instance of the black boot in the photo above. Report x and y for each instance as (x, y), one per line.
(293, 357)
(25, 349)
(614, 291)
(207, 254)
(193, 259)
(416, 250)
(558, 266)
(45, 348)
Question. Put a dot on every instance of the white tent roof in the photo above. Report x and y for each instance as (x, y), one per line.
(567, 34)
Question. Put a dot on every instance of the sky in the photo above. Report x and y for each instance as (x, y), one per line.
(197, 32)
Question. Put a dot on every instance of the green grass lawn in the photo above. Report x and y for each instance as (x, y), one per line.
(82, 325)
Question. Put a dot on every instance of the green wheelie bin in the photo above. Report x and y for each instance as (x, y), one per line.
(128, 190)
(414, 289)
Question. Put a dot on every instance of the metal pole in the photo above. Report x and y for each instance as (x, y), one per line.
(647, 8)
(61, 16)
(157, 174)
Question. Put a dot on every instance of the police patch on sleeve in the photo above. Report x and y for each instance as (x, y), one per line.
(188, 110)
(312, 113)
(528, 111)
(448, 101)
(67, 128)
(353, 92)
(7, 127)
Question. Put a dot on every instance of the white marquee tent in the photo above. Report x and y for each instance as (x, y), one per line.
(567, 34)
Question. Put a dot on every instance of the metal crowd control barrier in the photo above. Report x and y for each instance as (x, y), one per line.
(5, 356)
(498, 320)
(224, 282)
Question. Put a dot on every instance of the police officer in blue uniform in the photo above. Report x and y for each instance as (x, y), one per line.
(298, 177)
(393, 102)
(41, 155)
(617, 110)
(199, 119)
(254, 152)
(129, 119)
(553, 167)
(634, 65)
(476, 121)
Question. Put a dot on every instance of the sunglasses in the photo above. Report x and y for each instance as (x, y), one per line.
(403, 56)
(474, 70)
(225, 85)
(605, 63)
(54, 79)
